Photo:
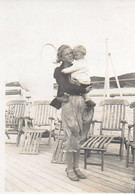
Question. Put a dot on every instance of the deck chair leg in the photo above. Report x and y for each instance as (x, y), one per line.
(89, 153)
(127, 158)
(49, 140)
(102, 161)
(134, 165)
(53, 135)
(17, 139)
(125, 145)
(7, 136)
(131, 150)
(121, 150)
(19, 132)
(85, 159)
(133, 157)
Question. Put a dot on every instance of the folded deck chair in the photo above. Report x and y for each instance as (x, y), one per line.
(42, 127)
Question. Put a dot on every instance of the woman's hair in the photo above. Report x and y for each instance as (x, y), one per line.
(80, 48)
(60, 51)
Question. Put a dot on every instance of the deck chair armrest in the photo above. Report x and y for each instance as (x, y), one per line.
(96, 121)
(57, 124)
(54, 121)
(57, 121)
(27, 118)
(92, 127)
(51, 118)
(27, 121)
(130, 126)
(60, 121)
(124, 121)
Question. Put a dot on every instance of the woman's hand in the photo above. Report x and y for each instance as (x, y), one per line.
(74, 81)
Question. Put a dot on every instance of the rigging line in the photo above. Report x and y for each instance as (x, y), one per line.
(118, 84)
(107, 83)
(117, 81)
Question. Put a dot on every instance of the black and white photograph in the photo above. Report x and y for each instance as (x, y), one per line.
(67, 82)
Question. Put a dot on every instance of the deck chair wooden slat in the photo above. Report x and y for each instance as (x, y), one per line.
(112, 129)
(131, 141)
(42, 126)
(117, 124)
(14, 118)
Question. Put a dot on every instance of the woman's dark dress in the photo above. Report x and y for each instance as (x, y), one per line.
(76, 117)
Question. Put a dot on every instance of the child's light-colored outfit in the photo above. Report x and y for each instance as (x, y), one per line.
(80, 72)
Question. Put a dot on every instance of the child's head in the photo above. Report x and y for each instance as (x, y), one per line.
(79, 52)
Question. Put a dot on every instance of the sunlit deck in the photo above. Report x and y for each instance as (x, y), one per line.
(36, 173)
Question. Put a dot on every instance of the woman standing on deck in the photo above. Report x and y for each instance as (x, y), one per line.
(76, 117)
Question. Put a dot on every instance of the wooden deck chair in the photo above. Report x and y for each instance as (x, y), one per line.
(113, 121)
(42, 127)
(131, 140)
(59, 156)
(14, 118)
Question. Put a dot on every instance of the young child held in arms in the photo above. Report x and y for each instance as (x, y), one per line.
(79, 74)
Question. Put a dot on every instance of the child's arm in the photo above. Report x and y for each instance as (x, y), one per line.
(68, 87)
(71, 69)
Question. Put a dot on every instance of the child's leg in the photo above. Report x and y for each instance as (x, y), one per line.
(89, 102)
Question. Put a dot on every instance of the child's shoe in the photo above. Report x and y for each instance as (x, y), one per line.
(90, 103)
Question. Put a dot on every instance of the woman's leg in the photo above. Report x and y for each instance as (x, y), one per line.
(69, 158)
(76, 157)
(70, 171)
(77, 171)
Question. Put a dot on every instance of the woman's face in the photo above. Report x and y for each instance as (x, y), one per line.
(67, 55)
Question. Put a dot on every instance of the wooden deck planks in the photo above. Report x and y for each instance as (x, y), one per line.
(58, 177)
(9, 186)
(100, 185)
(37, 173)
(121, 179)
(16, 181)
(117, 167)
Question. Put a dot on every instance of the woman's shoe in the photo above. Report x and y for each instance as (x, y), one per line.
(79, 173)
(71, 175)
